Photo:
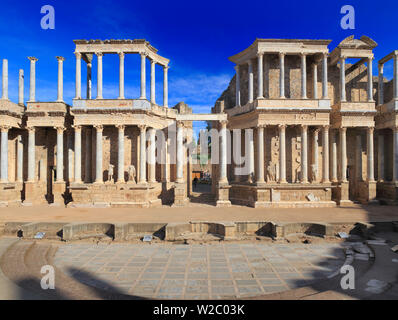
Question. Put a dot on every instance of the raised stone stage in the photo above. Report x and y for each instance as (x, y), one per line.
(10, 194)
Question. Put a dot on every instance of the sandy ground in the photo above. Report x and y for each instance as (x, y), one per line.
(199, 213)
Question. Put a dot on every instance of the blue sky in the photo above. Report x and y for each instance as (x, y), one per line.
(197, 36)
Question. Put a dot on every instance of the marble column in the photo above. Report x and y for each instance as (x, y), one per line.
(19, 158)
(342, 80)
(142, 154)
(180, 153)
(381, 84)
(260, 79)
(120, 154)
(143, 76)
(334, 158)
(31, 154)
(153, 82)
(89, 81)
(282, 75)
(223, 152)
(21, 88)
(343, 153)
(99, 175)
(303, 76)
(250, 74)
(78, 154)
(380, 158)
(60, 154)
(4, 154)
(395, 155)
(165, 87)
(152, 155)
(5, 80)
(60, 91)
(395, 77)
(32, 84)
(88, 155)
(315, 80)
(99, 75)
(249, 141)
(304, 154)
(166, 158)
(358, 158)
(370, 80)
(370, 151)
(121, 75)
(78, 75)
(260, 154)
(325, 148)
(237, 84)
(325, 77)
(282, 153)
(315, 155)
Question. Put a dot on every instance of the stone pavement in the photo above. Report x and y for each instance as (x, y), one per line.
(217, 271)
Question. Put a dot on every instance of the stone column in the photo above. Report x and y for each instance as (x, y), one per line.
(153, 81)
(315, 80)
(99, 75)
(380, 158)
(78, 154)
(325, 77)
(89, 82)
(237, 84)
(4, 154)
(381, 84)
(78, 75)
(249, 141)
(370, 80)
(260, 154)
(334, 158)
(303, 76)
(395, 78)
(165, 87)
(99, 176)
(121, 75)
(282, 75)
(325, 148)
(315, 155)
(395, 154)
(343, 146)
(166, 158)
(282, 153)
(370, 144)
(152, 155)
(143, 76)
(88, 154)
(5, 80)
(60, 154)
(260, 75)
(60, 92)
(358, 158)
(120, 154)
(19, 158)
(304, 154)
(250, 72)
(21, 88)
(223, 152)
(142, 153)
(31, 154)
(180, 153)
(342, 80)
(32, 84)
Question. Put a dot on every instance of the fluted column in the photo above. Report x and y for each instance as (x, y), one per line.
(4, 154)
(165, 87)
(315, 155)
(89, 81)
(342, 80)
(249, 141)
(60, 91)
(395, 77)
(260, 75)
(381, 84)
(152, 155)
(21, 88)
(142, 153)
(120, 154)
(343, 146)
(99, 176)
(315, 80)
(237, 84)
(32, 84)
(304, 154)
(325, 152)
(260, 154)
(223, 152)
(78, 154)
(282, 75)
(370, 79)
(153, 81)
(180, 153)
(78, 75)
(380, 158)
(19, 158)
(250, 82)
(282, 153)
(303, 76)
(370, 151)
(5, 80)
(99, 75)
(60, 154)
(334, 158)
(88, 155)
(121, 75)
(143, 77)
(325, 76)
(166, 158)
(31, 154)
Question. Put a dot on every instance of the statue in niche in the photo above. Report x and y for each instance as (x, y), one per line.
(132, 173)
(314, 172)
(271, 172)
(110, 172)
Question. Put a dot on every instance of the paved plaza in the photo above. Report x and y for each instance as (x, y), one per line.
(217, 271)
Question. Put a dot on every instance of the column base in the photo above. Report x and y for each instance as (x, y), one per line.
(180, 195)
(222, 195)
(59, 189)
(35, 193)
